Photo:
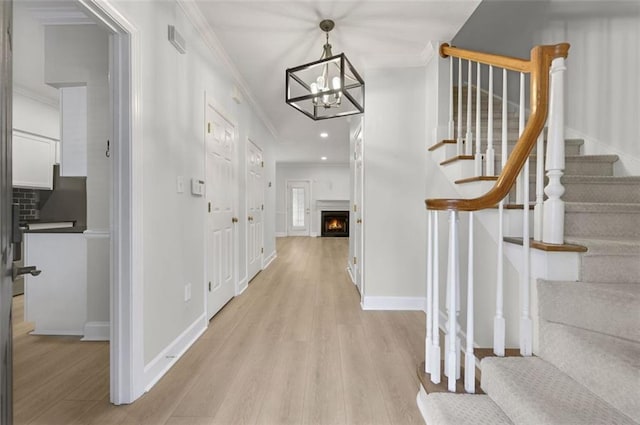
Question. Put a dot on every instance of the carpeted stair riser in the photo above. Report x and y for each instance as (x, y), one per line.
(608, 308)
(575, 165)
(600, 223)
(572, 148)
(601, 189)
(609, 367)
(531, 391)
(463, 409)
(610, 268)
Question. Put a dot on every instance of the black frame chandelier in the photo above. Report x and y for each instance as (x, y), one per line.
(327, 88)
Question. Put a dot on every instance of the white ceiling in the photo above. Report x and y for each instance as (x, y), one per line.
(263, 38)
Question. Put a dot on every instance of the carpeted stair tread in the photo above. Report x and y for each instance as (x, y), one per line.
(608, 308)
(532, 391)
(463, 409)
(618, 245)
(608, 366)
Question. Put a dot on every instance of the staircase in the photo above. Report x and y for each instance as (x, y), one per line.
(587, 366)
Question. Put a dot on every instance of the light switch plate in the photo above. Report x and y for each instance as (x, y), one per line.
(180, 184)
(197, 187)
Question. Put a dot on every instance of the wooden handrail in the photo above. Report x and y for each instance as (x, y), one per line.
(538, 66)
(510, 63)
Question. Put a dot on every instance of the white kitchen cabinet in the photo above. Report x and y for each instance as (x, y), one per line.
(33, 159)
(73, 131)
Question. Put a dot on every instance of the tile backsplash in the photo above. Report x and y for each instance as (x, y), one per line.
(28, 200)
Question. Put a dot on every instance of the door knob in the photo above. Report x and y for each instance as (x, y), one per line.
(234, 219)
(359, 221)
(19, 271)
(250, 218)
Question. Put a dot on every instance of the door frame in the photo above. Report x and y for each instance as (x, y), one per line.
(288, 203)
(209, 99)
(250, 141)
(127, 377)
(359, 273)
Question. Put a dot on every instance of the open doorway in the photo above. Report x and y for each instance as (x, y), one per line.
(63, 183)
(120, 365)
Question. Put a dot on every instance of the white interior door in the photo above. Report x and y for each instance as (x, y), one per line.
(255, 207)
(357, 202)
(298, 208)
(220, 186)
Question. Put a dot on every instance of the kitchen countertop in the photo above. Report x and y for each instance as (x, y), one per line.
(76, 228)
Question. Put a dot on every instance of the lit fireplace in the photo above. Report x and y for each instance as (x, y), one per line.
(334, 223)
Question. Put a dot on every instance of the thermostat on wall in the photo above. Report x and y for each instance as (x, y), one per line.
(197, 187)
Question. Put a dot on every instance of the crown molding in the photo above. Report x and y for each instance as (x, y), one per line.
(195, 15)
(30, 94)
(66, 14)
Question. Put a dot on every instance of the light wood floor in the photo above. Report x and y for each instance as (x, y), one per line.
(295, 348)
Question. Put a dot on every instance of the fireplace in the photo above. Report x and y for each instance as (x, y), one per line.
(334, 223)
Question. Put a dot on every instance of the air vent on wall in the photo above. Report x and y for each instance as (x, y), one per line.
(177, 40)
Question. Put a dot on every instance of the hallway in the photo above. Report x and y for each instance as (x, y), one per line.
(295, 348)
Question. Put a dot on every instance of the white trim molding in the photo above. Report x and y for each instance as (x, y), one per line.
(127, 274)
(242, 286)
(172, 353)
(96, 331)
(281, 234)
(393, 303)
(266, 261)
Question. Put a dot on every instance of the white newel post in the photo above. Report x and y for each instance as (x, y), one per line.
(428, 340)
(553, 219)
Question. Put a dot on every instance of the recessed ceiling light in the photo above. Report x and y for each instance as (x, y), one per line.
(324, 135)
(324, 158)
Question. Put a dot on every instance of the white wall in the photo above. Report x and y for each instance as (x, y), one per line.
(35, 105)
(328, 182)
(172, 120)
(602, 85)
(394, 217)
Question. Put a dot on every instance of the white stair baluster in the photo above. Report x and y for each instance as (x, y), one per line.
(452, 359)
(429, 340)
(526, 326)
(553, 220)
(490, 156)
(451, 123)
(478, 153)
(537, 209)
(521, 117)
(469, 357)
(435, 333)
(459, 141)
(468, 149)
(498, 321)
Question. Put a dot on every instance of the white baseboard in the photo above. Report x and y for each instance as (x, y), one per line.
(421, 399)
(242, 286)
(96, 331)
(281, 234)
(353, 279)
(314, 235)
(393, 303)
(266, 261)
(170, 355)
